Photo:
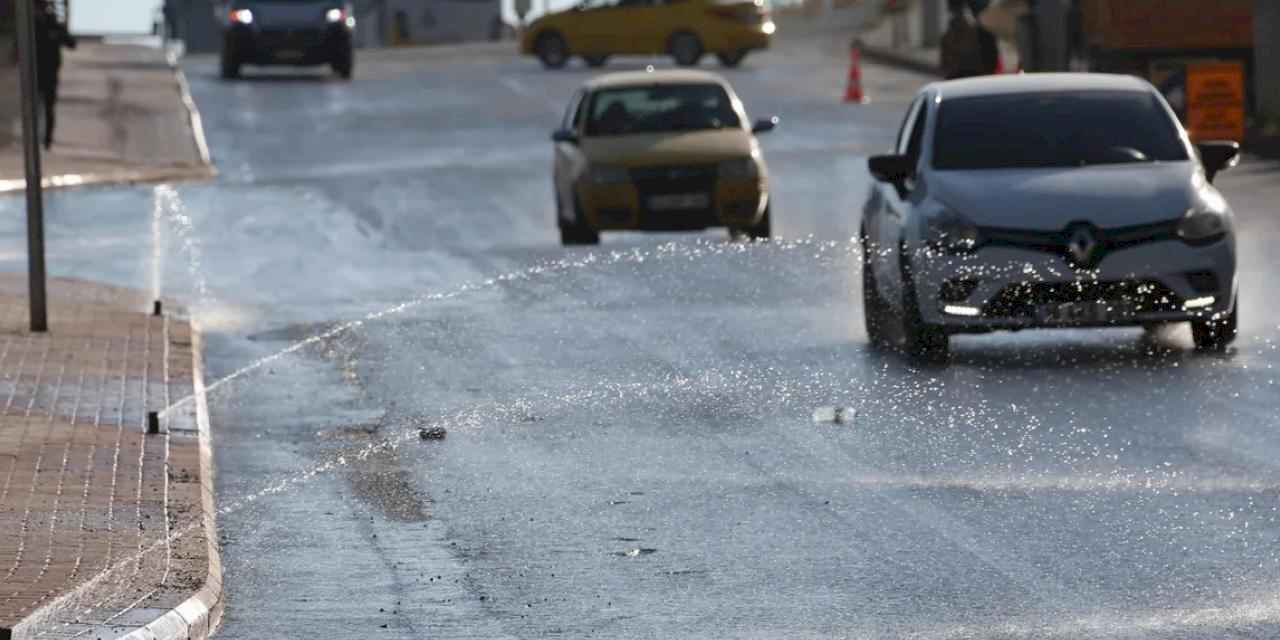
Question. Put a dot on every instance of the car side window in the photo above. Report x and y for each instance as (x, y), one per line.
(908, 123)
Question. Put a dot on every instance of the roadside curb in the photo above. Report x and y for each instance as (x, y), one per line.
(198, 617)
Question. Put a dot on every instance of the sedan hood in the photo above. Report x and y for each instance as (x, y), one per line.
(1118, 195)
(666, 148)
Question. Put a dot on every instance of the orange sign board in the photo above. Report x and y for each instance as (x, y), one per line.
(1215, 101)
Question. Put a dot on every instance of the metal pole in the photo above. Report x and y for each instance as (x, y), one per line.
(26, 28)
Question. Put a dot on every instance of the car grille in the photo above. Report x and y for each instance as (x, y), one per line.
(1056, 242)
(1022, 300)
(673, 180)
(299, 39)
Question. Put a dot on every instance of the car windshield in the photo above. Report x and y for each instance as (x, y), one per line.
(1055, 129)
(660, 108)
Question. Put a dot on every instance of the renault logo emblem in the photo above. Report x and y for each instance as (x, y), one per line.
(1082, 245)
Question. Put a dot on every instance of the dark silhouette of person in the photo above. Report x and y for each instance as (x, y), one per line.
(51, 37)
(962, 49)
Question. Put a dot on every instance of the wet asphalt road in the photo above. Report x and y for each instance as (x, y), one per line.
(632, 450)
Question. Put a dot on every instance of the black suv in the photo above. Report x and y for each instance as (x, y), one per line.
(289, 32)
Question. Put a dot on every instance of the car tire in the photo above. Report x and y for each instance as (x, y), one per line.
(921, 341)
(686, 49)
(552, 50)
(595, 61)
(731, 59)
(763, 229)
(578, 232)
(344, 64)
(875, 312)
(1216, 334)
(229, 66)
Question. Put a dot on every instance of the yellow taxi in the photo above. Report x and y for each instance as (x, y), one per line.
(659, 151)
(685, 29)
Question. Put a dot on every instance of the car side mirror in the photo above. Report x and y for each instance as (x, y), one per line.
(766, 125)
(564, 135)
(893, 169)
(1217, 155)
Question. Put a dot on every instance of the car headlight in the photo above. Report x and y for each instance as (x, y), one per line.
(952, 233)
(241, 16)
(607, 174)
(1202, 226)
(739, 169)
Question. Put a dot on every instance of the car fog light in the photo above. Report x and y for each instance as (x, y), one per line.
(961, 310)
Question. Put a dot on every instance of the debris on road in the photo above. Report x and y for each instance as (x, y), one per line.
(432, 433)
(833, 415)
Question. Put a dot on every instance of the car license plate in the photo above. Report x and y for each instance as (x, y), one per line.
(289, 54)
(1085, 312)
(680, 201)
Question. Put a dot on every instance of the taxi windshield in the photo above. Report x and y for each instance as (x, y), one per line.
(658, 109)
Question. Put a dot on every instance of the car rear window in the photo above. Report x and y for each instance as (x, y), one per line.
(1055, 129)
(660, 108)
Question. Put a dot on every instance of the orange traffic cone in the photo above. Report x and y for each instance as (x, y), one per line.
(853, 93)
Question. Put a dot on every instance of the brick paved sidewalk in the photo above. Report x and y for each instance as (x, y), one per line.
(104, 525)
(124, 116)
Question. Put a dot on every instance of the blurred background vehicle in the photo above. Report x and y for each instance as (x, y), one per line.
(289, 32)
(684, 29)
(664, 151)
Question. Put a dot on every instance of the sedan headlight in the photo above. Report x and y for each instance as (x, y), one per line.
(1202, 226)
(950, 232)
(608, 174)
(241, 16)
(740, 169)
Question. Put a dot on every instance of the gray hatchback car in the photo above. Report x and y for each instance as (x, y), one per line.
(289, 32)
(1047, 200)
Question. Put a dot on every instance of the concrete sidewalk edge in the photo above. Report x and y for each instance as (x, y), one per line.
(205, 171)
(198, 617)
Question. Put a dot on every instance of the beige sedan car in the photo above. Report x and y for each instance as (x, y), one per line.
(659, 151)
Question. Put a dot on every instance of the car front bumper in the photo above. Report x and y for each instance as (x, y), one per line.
(266, 45)
(646, 205)
(1013, 288)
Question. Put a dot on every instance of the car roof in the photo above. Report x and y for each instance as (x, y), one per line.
(1036, 83)
(642, 78)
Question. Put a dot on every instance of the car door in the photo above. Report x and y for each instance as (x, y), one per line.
(894, 202)
(568, 160)
(612, 26)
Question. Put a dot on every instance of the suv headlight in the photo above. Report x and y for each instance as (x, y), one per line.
(739, 169)
(609, 174)
(951, 232)
(1202, 226)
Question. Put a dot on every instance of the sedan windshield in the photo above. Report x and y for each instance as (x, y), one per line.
(1057, 129)
(660, 108)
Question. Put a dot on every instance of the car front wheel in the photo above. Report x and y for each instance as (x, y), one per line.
(922, 341)
(229, 66)
(344, 64)
(552, 50)
(578, 231)
(875, 313)
(731, 59)
(1216, 334)
(686, 48)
